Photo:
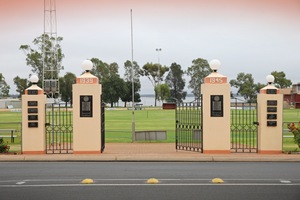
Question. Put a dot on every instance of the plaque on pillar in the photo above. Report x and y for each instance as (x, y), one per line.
(86, 106)
(216, 105)
(271, 123)
(32, 103)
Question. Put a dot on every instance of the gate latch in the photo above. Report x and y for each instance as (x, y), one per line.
(256, 123)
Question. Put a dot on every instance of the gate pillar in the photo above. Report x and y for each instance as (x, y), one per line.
(216, 111)
(87, 112)
(270, 106)
(33, 119)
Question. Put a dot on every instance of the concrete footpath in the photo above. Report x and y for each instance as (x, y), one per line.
(147, 152)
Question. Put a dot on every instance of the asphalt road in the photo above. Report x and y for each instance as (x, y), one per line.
(121, 180)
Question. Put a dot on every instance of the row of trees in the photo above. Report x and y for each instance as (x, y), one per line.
(167, 81)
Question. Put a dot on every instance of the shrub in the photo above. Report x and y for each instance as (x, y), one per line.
(295, 129)
(4, 148)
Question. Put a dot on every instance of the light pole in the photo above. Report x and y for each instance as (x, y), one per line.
(158, 83)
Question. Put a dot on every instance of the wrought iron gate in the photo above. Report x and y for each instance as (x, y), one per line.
(102, 127)
(189, 126)
(59, 129)
(243, 127)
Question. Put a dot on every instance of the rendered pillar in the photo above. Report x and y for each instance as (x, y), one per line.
(33, 121)
(216, 114)
(270, 107)
(86, 115)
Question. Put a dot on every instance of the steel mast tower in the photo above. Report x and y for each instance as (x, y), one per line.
(51, 65)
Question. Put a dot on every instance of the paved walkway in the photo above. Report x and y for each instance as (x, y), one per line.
(152, 152)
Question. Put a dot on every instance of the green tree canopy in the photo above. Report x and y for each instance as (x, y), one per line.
(45, 57)
(127, 97)
(155, 73)
(198, 71)
(280, 80)
(4, 87)
(163, 91)
(246, 86)
(176, 82)
(21, 84)
(100, 69)
(66, 83)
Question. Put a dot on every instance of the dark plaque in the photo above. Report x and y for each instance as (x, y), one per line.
(86, 106)
(32, 117)
(33, 124)
(271, 109)
(271, 123)
(32, 92)
(271, 91)
(32, 103)
(216, 105)
(272, 102)
(32, 110)
(271, 116)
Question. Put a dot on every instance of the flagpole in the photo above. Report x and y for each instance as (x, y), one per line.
(132, 79)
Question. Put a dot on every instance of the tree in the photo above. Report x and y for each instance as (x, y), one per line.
(4, 88)
(198, 71)
(66, 83)
(176, 83)
(100, 69)
(246, 86)
(51, 59)
(127, 97)
(163, 91)
(155, 73)
(113, 88)
(280, 80)
(21, 84)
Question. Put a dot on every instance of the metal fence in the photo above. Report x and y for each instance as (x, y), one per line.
(59, 129)
(243, 127)
(189, 126)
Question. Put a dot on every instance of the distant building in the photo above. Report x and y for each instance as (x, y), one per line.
(291, 96)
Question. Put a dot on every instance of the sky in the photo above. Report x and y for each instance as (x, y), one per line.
(250, 36)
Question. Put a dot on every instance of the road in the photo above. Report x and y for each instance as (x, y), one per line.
(122, 180)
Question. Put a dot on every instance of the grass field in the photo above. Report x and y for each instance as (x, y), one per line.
(118, 125)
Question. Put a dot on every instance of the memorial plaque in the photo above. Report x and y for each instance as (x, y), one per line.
(32, 92)
(271, 116)
(271, 91)
(86, 106)
(216, 105)
(33, 124)
(32, 117)
(32, 103)
(272, 102)
(271, 109)
(271, 123)
(32, 110)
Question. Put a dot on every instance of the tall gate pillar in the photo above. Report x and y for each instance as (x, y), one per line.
(33, 119)
(270, 106)
(87, 113)
(216, 111)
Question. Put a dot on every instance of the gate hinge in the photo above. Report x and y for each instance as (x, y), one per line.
(256, 123)
(47, 124)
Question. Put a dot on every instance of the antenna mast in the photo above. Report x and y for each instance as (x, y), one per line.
(51, 66)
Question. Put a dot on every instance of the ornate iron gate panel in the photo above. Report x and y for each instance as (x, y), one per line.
(189, 126)
(59, 129)
(102, 127)
(243, 127)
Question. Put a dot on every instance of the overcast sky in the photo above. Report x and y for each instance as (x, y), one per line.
(251, 36)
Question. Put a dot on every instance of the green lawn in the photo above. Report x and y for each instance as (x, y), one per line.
(118, 125)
